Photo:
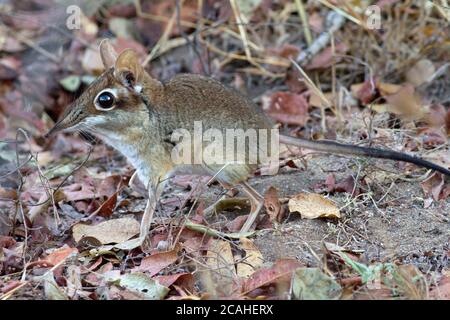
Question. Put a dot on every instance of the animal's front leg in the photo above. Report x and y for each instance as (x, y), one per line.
(257, 203)
(155, 189)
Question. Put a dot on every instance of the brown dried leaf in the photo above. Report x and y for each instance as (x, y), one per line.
(365, 92)
(405, 103)
(434, 187)
(421, 72)
(325, 59)
(435, 116)
(220, 275)
(183, 280)
(111, 231)
(328, 185)
(286, 51)
(312, 206)
(79, 191)
(442, 290)
(272, 204)
(154, 263)
(12, 104)
(432, 137)
(316, 101)
(447, 121)
(6, 242)
(347, 185)
(110, 185)
(316, 22)
(237, 223)
(252, 260)
(388, 88)
(288, 108)
(59, 255)
(281, 270)
(107, 207)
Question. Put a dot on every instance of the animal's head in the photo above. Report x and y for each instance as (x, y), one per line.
(115, 101)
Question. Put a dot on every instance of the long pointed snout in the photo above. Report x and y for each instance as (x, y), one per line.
(69, 119)
(57, 127)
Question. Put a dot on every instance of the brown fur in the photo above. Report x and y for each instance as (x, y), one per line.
(147, 112)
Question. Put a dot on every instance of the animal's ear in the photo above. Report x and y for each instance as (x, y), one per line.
(129, 71)
(108, 54)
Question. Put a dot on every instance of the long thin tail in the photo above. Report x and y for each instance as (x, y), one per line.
(339, 148)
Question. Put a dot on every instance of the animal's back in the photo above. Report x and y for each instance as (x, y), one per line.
(191, 97)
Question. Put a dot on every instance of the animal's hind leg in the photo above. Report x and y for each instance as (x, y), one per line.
(257, 203)
(230, 193)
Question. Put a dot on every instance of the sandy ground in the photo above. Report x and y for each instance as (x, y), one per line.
(399, 228)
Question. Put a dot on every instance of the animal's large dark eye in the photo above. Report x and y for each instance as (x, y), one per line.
(105, 100)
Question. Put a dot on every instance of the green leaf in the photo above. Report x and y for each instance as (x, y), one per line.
(60, 170)
(214, 233)
(141, 284)
(87, 79)
(121, 27)
(51, 289)
(367, 273)
(313, 284)
(71, 83)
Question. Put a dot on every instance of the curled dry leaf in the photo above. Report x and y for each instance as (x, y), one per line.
(348, 185)
(279, 271)
(289, 108)
(365, 92)
(406, 103)
(73, 280)
(58, 256)
(252, 260)
(421, 72)
(387, 89)
(79, 191)
(156, 262)
(435, 187)
(236, 224)
(6, 242)
(272, 204)
(325, 59)
(111, 231)
(107, 207)
(312, 206)
(328, 185)
(183, 280)
(316, 101)
(220, 274)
